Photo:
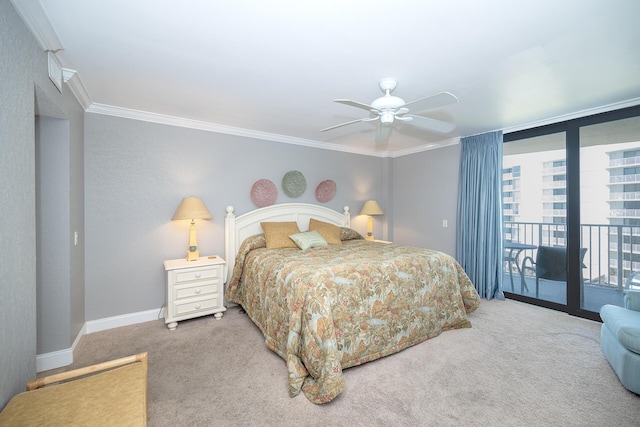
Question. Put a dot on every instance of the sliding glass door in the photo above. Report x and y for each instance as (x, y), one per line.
(571, 199)
(609, 209)
(535, 214)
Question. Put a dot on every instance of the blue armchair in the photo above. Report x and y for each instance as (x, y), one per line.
(620, 339)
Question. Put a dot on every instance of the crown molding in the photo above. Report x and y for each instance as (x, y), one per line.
(426, 147)
(72, 79)
(37, 20)
(576, 115)
(147, 116)
(110, 110)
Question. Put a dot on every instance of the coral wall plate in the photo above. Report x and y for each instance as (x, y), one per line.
(263, 193)
(325, 191)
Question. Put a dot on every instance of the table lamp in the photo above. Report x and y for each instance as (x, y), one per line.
(371, 207)
(192, 208)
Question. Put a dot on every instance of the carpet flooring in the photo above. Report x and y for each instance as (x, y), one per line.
(519, 365)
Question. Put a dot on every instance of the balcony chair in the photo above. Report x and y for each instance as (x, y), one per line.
(550, 264)
(620, 339)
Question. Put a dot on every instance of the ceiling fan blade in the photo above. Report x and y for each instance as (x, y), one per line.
(431, 124)
(366, 119)
(355, 104)
(383, 133)
(434, 101)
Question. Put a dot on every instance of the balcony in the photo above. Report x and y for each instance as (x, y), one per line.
(624, 213)
(624, 162)
(620, 196)
(624, 179)
(554, 184)
(554, 198)
(595, 296)
(613, 252)
(553, 170)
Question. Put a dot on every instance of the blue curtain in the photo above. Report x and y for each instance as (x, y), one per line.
(479, 246)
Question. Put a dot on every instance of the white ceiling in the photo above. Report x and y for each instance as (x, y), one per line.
(271, 69)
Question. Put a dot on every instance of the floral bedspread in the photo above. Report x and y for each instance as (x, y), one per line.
(329, 308)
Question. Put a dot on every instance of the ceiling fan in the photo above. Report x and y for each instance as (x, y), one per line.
(389, 108)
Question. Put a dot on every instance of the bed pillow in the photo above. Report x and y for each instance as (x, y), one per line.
(330, 233)
(277, 234)
(309, 239)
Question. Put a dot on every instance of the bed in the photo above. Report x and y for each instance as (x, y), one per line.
(349, 301)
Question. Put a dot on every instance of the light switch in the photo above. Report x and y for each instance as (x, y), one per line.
(445, 223)
(75, 238)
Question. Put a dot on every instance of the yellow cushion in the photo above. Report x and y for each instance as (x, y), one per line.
(330, 233)
(277, 234)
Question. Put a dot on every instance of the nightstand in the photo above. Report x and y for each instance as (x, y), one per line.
(194, 288)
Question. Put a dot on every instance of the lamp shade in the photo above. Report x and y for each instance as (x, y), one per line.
(371, 207)
(192, 208)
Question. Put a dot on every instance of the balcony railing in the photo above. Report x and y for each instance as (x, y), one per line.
(613, 251)
(624, 195)
(621, 213)
(624, 179)
(626, 161)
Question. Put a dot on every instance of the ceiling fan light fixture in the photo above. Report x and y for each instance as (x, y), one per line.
(386, 118)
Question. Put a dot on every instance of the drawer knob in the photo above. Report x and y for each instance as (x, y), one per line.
(198, 275)
(198, 291)
(198, 306)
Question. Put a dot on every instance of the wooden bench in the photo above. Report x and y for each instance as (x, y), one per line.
(112, 393)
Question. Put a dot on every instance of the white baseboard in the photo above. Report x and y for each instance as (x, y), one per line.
(57, 359)
(123, 320)
(60, 358)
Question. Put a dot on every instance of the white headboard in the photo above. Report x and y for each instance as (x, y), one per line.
(238, 228)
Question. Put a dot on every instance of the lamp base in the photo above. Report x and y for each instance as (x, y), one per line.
(369, 235)
(193, 255)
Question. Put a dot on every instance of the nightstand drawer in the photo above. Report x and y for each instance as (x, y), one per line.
(197, 274)
(200, 288)
(183, 308)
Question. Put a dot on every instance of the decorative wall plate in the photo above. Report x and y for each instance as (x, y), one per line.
(325, 191)
(293, 183)
(263, 193)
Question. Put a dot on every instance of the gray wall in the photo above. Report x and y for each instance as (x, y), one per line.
(425, 188)
(27, 91)
(136, 174)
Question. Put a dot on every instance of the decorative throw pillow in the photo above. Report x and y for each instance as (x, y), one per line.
(277, 234)
(330, 232)
(309, 239)
(349, 234)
